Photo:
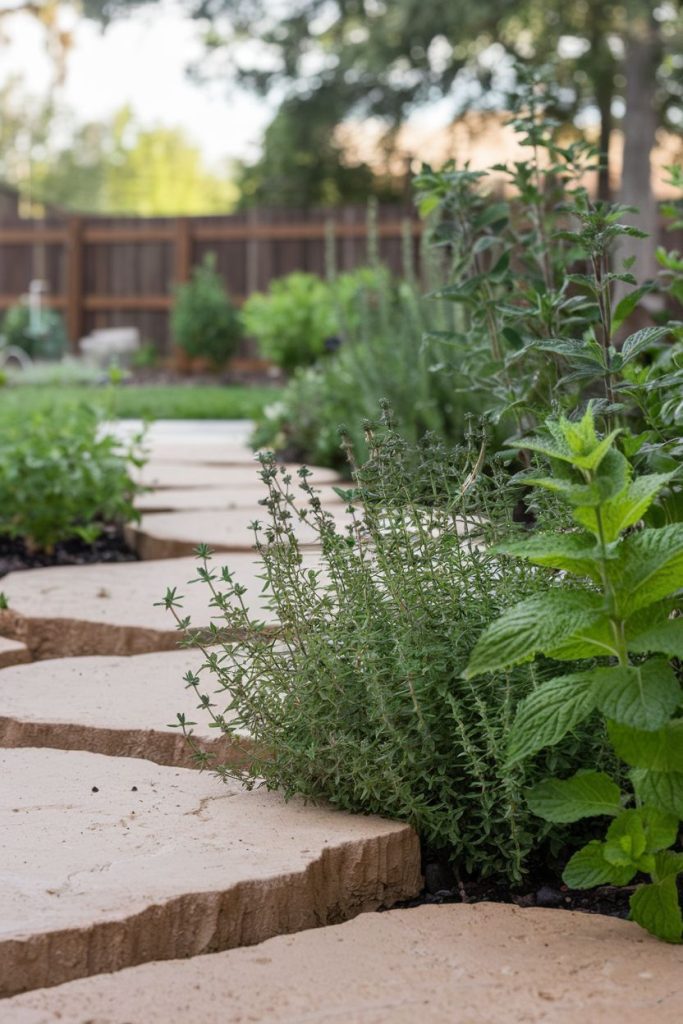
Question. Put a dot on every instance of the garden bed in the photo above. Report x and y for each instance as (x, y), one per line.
(109, 547)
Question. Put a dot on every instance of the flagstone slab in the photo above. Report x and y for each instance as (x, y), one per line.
(12, 652)
(174, 534)
(111, 862)
(66, 611)
(176, 475)
(205, 498)
(122, 707)
(202, 451)
(452, 964)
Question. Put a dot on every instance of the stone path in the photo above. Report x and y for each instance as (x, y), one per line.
(114, 854)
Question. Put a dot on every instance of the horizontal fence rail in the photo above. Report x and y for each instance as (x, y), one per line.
(112, 271)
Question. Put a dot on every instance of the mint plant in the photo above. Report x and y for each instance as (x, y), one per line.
(615, 598)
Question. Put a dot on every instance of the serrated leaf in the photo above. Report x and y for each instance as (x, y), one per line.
(595, 641)
(656, 908)
(549, 713)
(664, 638)
(641, 340)
(668, 864)
(626, 840)
(649, 568)
(533, 626)
(627, 305)
(644, 696)
(660, 750)
(576, 553)
(584, 795)
(626, 508)
(663, 790)
(588, 868)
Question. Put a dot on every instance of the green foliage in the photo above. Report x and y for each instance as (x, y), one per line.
(62, 478)
(627, 588)
(292, 321)
(203, 321)
(357, 696)
(46, 341)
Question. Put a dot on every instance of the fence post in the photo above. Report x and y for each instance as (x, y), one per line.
(74, 282)
(182, 250)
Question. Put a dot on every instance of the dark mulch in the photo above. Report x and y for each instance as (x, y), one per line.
(109, 547)
(442, 887)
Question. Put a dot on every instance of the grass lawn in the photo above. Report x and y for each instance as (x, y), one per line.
(178, 402)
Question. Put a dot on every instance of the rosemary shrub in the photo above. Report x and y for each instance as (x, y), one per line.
(358, 696)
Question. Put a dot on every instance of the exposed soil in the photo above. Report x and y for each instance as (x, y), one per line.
(109, 547)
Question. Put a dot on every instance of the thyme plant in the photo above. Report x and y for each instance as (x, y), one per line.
(357, 695)
(616, 607)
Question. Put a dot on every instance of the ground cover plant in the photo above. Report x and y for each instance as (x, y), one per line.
(61, 478)
(19, 402)
(615, 609)
(358, 694)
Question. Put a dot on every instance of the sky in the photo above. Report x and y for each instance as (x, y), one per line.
(141, 62)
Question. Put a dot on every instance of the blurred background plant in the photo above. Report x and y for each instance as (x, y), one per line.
(204, 322)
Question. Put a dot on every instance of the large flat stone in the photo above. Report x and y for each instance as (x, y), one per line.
(245, 496)
(66, 611)
(465, 964)
(122, 707)
(110, 862)
(179, 475)
(210, 451)
(174, 534)
(12, 652)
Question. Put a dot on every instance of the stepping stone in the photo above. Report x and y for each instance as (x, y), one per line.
(115, 706)
(208, 452)
(246, 496)
(66, 611)
(173, 534)
(176, 475)
(452, 964)
(12, 652)
(109, 862)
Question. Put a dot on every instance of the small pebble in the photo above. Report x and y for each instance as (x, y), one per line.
(548, 897)
(134, 789)
(94, 790)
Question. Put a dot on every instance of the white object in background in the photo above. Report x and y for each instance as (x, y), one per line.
(36, 290)
(110, 345)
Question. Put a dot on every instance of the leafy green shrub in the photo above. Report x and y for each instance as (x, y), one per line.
(204, 322)
(358, 696)
(292, 321)
(61, 478)
(47, 342)
(623, 614)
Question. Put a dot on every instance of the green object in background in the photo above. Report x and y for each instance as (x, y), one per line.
(292, 321)
(204, 321)
(48, 341)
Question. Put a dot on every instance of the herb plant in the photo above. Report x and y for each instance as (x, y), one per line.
(61, 478)
(204, 321)
(616, 607)
(356, 695)
(292, 320)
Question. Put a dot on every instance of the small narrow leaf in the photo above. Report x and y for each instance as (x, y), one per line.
(548, 714)
(588, 868)
(656, 908)
(584, 795)
(645, 696)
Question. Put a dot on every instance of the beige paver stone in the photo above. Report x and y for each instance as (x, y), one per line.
(205, 498)
(122, 707)
(465, 964)
(12, 652)
(203, 451)
(65, 611)
(176, 475)
(173, 534)
(110, 862)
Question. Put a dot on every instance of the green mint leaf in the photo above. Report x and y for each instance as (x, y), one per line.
(584, 795)
(536, 625)
(663, 790)
(595, 641)
(642, 340)
(643, 696)
(668, 864)
(549, 713)
(656, 908)
(659, 750)
(626, 509)
(650, 567)
(572, 552)
(588, 868)
(664, 637)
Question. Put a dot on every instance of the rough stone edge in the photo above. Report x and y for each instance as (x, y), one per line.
(149, 548)
(355, 877)
(165, 748)
(17, 654)
(53, 637)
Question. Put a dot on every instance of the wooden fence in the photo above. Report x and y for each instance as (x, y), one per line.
(121, 271)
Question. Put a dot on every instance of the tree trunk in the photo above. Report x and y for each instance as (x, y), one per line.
(642, 56)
